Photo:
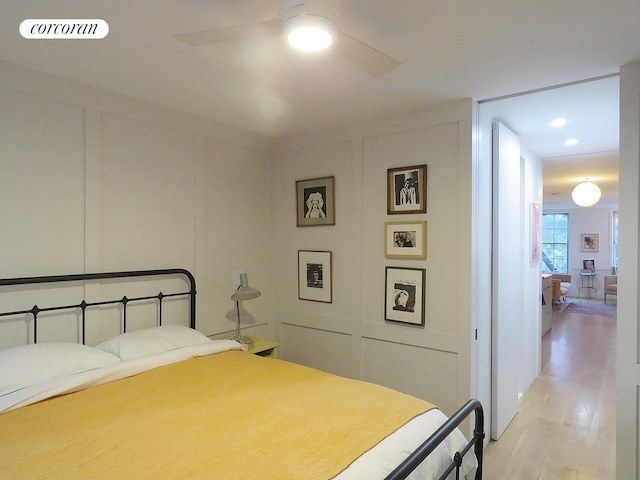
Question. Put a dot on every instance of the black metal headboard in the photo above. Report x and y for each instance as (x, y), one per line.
(83, 305)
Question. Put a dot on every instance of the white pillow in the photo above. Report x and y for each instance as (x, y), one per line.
(28, 365)
(152, 341)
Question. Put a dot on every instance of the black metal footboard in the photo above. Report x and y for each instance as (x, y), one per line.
(83, 304)
(422, 452)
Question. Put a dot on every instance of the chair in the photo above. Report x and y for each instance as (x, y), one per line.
(561, 285)
(610, 286)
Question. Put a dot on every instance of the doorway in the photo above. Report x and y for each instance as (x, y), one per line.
(528, 115)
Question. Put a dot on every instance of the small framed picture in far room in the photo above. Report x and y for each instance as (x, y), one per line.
(315, 202)
(314, 276)
(405, 240)
(407, 190)
(405, 295)
(589, 242)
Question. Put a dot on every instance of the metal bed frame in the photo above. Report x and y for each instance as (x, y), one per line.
(402, 471)
(422, 452)
(83, 304)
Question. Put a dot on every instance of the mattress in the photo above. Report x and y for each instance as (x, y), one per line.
(208, 410)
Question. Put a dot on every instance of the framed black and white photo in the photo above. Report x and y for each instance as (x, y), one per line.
(405, 295)
(405, 240)
(407, 190)
(315, 202)
(314, 276)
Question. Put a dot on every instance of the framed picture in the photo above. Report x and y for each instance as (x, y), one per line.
(588, 265)
(407, 190)
(536, 233)
(589, 242)
(405, 240)
(315, 202)
(405, 295)
(314, 276)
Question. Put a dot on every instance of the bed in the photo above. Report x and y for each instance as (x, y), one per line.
(165, 401)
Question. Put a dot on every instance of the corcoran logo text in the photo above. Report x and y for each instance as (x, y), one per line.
(64, 29)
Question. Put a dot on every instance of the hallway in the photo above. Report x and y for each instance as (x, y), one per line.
(565, 428)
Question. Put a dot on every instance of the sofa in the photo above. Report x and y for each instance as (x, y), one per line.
(561, 285)
(610, 286)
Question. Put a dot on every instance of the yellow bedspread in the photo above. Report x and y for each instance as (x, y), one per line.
(226, 416)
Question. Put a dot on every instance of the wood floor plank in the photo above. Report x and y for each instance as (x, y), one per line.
(565, 427)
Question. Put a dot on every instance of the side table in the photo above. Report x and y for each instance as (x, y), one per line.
(264, 348)
(586, 279)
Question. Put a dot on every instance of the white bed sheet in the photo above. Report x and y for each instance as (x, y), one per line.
(81, 381)
(382, 459)
(374, 464)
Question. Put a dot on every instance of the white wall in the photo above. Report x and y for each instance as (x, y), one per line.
(97, 182)
(350, 336)
(130, 185)
(588, 220)
(628, 320)
(532, 307)
(41, 185)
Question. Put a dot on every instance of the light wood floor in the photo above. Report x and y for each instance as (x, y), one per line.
(565, 428)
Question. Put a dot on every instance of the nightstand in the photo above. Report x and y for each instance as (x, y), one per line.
(264, 348)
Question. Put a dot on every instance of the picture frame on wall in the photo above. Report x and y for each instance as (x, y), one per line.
(589, 242)
(536, 231)
(405, 295)
(407, 190)
(315, 276)
(405, 240)
(315, 202)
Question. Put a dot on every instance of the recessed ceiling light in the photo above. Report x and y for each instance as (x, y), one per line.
(558, 122)
(571, 141)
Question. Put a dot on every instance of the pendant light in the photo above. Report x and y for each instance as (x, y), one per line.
(586, 194)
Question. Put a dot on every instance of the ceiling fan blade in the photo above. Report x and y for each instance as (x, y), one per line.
(231, 34)
(321, 5)
(372, 61)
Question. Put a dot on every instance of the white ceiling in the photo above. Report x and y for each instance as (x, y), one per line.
(591, 110)
(449, 49)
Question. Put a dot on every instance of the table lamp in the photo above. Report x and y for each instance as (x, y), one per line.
(244, 292)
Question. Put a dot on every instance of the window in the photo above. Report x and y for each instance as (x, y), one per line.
(555, 242)
(614, 241)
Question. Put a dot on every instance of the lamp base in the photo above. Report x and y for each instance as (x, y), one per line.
(246, 342)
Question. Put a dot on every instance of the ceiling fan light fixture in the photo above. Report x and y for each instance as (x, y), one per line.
(586, 194)
(309, 32)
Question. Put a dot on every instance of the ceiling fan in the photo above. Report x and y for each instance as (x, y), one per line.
(320, 13)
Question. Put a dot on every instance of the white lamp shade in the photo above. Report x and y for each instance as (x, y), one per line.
(586, 194)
